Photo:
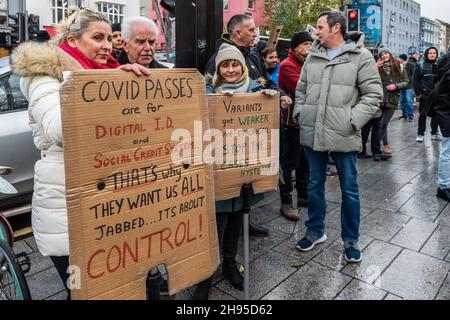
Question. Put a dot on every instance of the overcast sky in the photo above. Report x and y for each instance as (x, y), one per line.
(433, 9)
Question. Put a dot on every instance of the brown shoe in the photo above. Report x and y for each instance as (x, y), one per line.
(387, 149)
(289, 212)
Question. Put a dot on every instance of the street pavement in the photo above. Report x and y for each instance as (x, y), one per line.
(405, 237)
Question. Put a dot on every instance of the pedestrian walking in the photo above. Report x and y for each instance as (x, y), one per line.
(407, 94)
(394, 79)
(84, 42)
(293, 156)
(338, 93)
(423, 80)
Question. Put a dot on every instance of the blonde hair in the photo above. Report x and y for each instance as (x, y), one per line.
(77, 24)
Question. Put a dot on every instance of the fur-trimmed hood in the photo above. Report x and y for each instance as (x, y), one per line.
(42, 59)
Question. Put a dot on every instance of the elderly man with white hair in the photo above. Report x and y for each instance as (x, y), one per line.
(139, 35)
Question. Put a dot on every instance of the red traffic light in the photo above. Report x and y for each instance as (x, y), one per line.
(353, 20)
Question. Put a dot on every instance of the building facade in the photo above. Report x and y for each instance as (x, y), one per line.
(429, 33)
(401, 26)
(255, 8)
(444, 36)
(50, 12)
(147, 9)
(442, 48)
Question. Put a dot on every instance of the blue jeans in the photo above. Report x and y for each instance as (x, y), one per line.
(406, 102)
(444, 165)
(348, 178)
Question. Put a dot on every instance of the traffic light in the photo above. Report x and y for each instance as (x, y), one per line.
(352, 20)
(19, 27)
(33, 24)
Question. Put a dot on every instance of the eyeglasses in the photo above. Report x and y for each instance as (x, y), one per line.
(77, 14)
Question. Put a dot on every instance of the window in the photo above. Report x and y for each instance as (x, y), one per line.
(60, 9)
(113, 11)
(11, 98)
(251, 4)
(225, 5)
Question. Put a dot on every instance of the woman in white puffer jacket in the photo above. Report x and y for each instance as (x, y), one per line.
(84, 42)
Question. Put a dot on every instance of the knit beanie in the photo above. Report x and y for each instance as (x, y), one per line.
(383, 49)
(229, 52)
(299, 38)
(403, 57)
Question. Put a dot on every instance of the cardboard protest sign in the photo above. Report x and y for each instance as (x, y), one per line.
(130, 206)
(274, 36)
(249, 128)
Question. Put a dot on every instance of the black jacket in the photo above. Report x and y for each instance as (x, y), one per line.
(442, 106)
(424, 76)
(410, 67)
(123, 59)
(256, 68)
(443, 65)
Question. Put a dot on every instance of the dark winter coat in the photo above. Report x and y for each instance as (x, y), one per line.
(391, 98)
(409, 67)
(442, 106)
(423, 78)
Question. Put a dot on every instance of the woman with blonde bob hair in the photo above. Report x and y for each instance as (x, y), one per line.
(83, 42)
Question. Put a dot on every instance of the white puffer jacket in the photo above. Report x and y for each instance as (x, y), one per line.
(43, 67)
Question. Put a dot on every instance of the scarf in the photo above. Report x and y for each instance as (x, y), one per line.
(240, 86)
(87, 63)
(387, 68)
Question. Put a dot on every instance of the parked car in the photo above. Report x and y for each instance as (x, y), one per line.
(17, 149)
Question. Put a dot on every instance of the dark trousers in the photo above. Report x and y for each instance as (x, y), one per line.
(386, 117)
(293, 158)
(229, 226)
(61, 264)
(423, 119)
(373, 126)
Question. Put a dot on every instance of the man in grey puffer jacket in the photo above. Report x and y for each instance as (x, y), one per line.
(339, 91)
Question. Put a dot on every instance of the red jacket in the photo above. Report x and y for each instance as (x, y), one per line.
(290, 70)
(289, 74)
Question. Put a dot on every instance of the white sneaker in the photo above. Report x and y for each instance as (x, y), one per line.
(419, 138)
(437, 137)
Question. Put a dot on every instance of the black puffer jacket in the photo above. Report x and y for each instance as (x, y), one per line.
(442, 106)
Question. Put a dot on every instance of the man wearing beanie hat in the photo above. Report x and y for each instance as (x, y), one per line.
(117, 42)
(407, 95)
(293, 156)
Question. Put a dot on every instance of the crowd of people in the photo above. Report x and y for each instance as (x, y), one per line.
(333, 95)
